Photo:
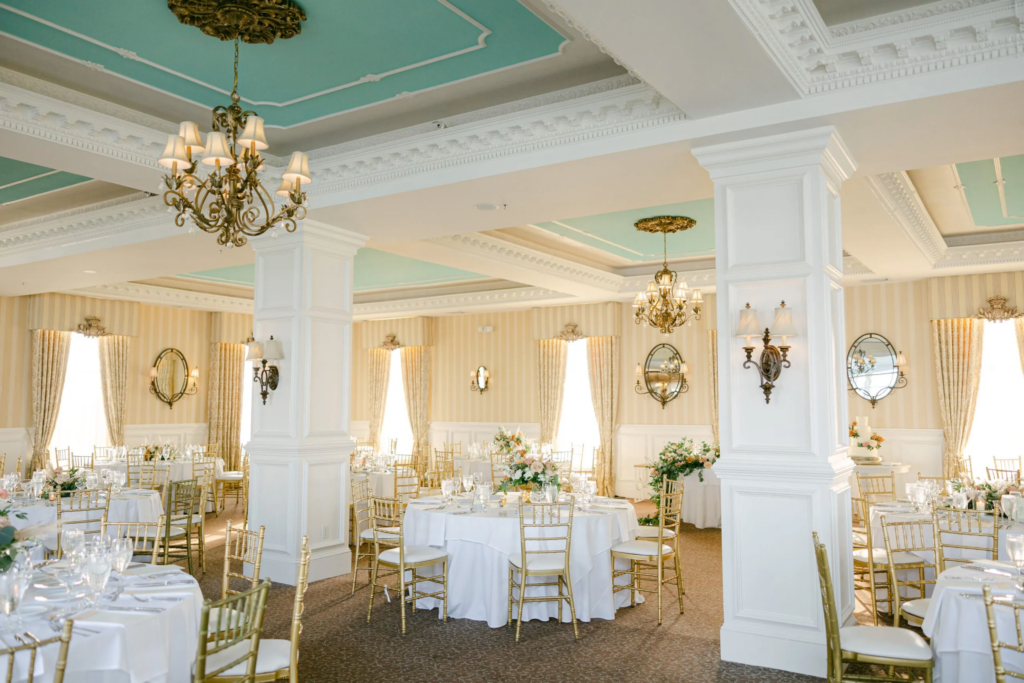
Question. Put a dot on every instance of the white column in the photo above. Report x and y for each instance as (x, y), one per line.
(299, 452)
(784, 465)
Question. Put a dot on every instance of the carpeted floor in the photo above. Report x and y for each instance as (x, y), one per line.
(338, 645)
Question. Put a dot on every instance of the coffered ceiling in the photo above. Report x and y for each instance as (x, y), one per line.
(20, 180)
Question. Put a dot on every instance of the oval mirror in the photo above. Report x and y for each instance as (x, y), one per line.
(664, 373)
(871, 367)
(481, 377)
(170, 376)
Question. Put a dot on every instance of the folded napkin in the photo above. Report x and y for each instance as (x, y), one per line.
(118, 618)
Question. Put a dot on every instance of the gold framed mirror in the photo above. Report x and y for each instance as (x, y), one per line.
(170, 379)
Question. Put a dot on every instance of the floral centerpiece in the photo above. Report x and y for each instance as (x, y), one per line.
(167, 451)
(993, 491)
(526, 470)
(13, 541)
(678, 459)
(59, 480)
(508, 443)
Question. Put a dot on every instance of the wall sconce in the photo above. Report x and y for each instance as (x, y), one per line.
(480, 380)
(170, 379)
(773, 358)
(267, 354)
(663, 376)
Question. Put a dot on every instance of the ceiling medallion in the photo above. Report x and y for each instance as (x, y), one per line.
(667, 303)
(252, 21)
(230, 200)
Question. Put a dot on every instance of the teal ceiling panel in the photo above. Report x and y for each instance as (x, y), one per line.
(19, 180)
(350, 54)
(995, 192)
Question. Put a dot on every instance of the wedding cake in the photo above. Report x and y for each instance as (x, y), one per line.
(859, 451)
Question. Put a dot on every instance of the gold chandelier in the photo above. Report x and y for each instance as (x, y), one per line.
(667, 303)
(230, 200)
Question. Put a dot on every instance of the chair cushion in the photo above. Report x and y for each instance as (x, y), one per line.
(641, 549)
(652, 532)
(413, 554)
(274, 655)
(861, 555)
(387, 533)
(885, 641)
(230, 476)
(539, 563)
(917, 608)
(860, 538)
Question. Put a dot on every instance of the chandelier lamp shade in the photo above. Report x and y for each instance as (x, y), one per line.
(217, 184)
(668, 302)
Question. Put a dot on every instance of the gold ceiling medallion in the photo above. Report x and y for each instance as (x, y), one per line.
(998, 311)
(92, 328)
(231, 200)
(253, 21)
(667, 303)
(390, 343)
(571, 333)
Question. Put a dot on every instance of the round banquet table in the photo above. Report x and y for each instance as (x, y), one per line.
(702, 500)
(958, 627)
(180, 470)
(155, 645)
(471, 467)
(382, 484)
(479, 545)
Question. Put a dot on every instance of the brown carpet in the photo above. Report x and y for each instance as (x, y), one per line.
(338, 645)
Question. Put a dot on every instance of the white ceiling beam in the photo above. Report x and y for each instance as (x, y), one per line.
(167, 296)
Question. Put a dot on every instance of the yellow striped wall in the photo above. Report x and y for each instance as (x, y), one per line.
(961, 296)
(592, 320)
(66, 312)
(407, 331)
(360, 410)
(898, 312)
(160, 328)
(15, 363)
(230, 328)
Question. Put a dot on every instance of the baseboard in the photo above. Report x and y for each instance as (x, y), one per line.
(774, 652)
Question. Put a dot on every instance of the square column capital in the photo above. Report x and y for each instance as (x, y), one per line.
(315, 234)
(815, 147)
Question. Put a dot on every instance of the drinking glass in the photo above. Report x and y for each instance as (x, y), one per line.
(72, 540)
(446, 490)
(960, 500)
(467, 482)
(97, 571)
(1015, 549)
(484, 493)
(1009, 505)
(10, 596)
(478, 478)
(551, 493)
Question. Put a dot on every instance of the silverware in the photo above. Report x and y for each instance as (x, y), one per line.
(156, 584)
(117, 608)
(143, 598)
(988, 570)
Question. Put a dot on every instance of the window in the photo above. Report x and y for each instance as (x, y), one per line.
(396, 415)
(578, 424)
(997, 430)
(245, 426)
(81, 422)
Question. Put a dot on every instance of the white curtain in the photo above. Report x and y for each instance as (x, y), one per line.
(113, 351)
(603, 366)
(958, 344)
(378, 374)
(49, 364)
(551, 360)
(416, 382)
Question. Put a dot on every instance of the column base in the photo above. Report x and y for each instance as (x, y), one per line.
(327, 565)
(761, 649)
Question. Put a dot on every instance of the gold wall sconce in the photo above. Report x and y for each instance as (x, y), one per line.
(773, 358)
(267, 355)
(663, 374)
(480, 380)
(170, 380)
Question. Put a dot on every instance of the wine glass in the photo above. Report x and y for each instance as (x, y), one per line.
(447, 486)
(1015, 549)
(72, 540)
(10, 595)
(478, 478)
(484, 493)
(467, 482)
(97, 571)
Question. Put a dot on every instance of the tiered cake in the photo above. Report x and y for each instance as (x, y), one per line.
(861, 454)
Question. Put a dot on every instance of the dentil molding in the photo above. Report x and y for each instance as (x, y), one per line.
(899, 197)
(468, 302)
(924, 39)
(167, 296)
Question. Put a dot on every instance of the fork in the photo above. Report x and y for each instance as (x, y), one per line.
(150, 598)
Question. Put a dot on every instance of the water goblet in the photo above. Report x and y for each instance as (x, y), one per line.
(478, 478)
(960, 500)
(10, 596)
(97, 572)
(551, 493)
(72, 540)
(467, 482)
(1015, 549)
(446, 490)
(484, 494)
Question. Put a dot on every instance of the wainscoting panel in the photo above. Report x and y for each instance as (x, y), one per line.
(470, 432)
(638, 444)
(15, 441)
(922, 449)
(180, 435)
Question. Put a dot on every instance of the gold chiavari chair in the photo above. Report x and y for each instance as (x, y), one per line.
(1012, 476)
(454, 447)
(941, 481)
(393, 447)
(229, 483)
(145, 537)
(241, 547)
(564, 461)
(3, 464)
(29, 645)
(205, 470)
(545, 541)
(81, 509)
(133, 469)
(104, 453)
(993, 631)
(444, 461)
(973, 531)
(83, 462)
(407, 484)
(385, 516)
(876, 488)
(152, 477)
(245, 488)
(362, 533)
(182, 500)
(17, 467)
(432, 480)
(860, 537)
(870, 566)
(62, 456)
(902, 648)
(208, 450)
(1007, 463)
(229, 638)
(498, 462)
(904, 544)
(647, 557)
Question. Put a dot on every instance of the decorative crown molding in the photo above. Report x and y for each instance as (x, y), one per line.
(167, 296)
(981, 256)
(852, 267)
(589, 37)
(900, 199)
(941, 35)
(475, 302)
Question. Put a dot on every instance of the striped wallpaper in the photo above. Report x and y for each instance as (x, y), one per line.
(160, 328)
(15, 363)
(408, 331)
(593, 320)
(230, 328)
(66, 312)
(360, 407)
(961, 296)
(899, 312)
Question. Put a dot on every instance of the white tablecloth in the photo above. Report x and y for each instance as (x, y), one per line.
(958, 627)
(382, 484)
(180, 470)
(469, 467)
(131, 646)
(131, 506)
(479, 545)
(702, 500)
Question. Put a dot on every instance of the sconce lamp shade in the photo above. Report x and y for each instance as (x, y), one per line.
(190, 132)
(153, 372)
(298, 169)
(194, 374)
(253, 351)
(684, 369)
(901, 360)
(749, 326)
(217, 150)
(253, 133)
(174, 153)
(272, 350)
(783, 325)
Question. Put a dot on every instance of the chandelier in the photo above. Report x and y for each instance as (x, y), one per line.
(217, 185)
(667, 303)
